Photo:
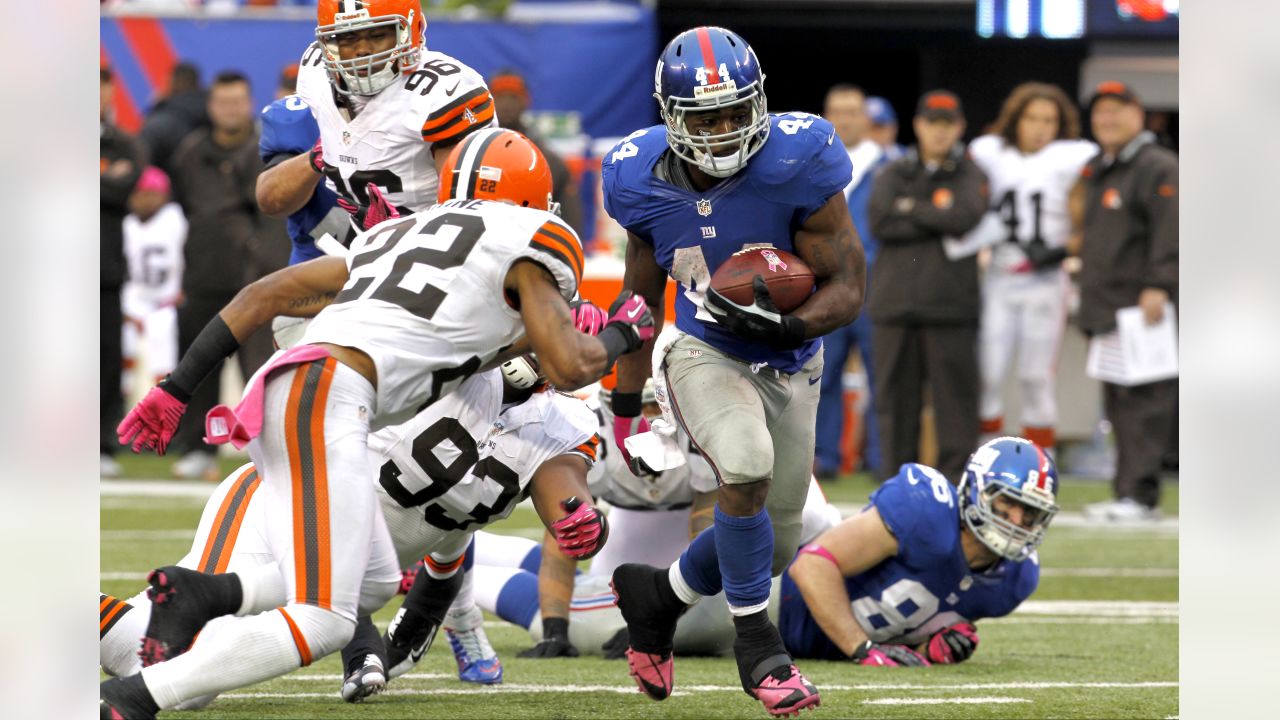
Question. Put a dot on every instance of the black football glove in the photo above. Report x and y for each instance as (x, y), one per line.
(760, 321)
(554, 642)
(615, 648)
(1043, 257)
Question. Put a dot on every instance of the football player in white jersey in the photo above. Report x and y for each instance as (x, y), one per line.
(1032, 159)
(389, 110)
(419, 305)
(455, 467)
(154, 233)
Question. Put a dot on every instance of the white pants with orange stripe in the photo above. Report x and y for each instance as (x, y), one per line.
(1026, 313)
(321, 525)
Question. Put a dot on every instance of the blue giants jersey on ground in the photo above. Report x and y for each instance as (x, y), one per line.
(288, 129)
(795, 173)
(926, 586)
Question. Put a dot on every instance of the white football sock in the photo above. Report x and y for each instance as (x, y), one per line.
(687, 595)
(502, 550)
(234, 652)
(463, 604)
(118, 648)
(262, 587)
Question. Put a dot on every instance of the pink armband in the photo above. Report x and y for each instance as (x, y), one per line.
(816, 549)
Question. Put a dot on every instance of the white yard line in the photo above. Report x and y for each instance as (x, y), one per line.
(1098, 608)
(157, 488)
(947, 701)
(517, 688)
(135, 535)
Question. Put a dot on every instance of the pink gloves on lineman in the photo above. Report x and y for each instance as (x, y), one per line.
(378, 210)
(150, 425)
(953, 644)
(582, 531)
(588, 318)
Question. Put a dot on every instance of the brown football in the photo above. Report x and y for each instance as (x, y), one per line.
(790, 280)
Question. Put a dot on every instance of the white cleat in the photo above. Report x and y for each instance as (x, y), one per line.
(370, 679)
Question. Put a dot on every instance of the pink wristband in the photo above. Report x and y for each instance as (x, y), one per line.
(816, 549)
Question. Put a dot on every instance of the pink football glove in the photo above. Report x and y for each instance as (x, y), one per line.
(588, 318)
(407, 577)
(582, 531)
(623, 428)
(152, 422)
(888, 656)
(316, 157)
(953, 644)
(378, 210)
(631, 314)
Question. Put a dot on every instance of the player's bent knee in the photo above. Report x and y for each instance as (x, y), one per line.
(323, 631)
(375, 594)
(745, 462)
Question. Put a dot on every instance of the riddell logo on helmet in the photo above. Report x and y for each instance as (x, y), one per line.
(718, 89)
(360, 14)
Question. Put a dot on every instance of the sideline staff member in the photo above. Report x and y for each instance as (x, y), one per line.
(1129, 256)
(924, 306)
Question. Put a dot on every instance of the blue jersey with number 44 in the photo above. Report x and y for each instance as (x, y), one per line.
(288, 129)
(799, 168)
(927, 586)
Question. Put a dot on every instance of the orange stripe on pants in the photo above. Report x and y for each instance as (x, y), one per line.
(304, 437)
(304, 650)
(226, 526)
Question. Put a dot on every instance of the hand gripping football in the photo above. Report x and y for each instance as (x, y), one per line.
(790, 280)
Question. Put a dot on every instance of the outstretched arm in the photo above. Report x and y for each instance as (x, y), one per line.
(855, 545)
(284, 188)
(646, 278)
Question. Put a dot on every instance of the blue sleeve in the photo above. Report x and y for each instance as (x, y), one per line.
(829, 169)
(925, 527)
(622, 171)
(287, 129)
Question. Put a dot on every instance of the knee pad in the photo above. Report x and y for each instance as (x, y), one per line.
(325, 631)
(375, 594)
(745, 462)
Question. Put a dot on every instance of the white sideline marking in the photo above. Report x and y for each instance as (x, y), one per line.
(947, 701)
(1140, 620)
(1110, 572)
(157, 488)
(122, 576)
(1099, 608)
(133, 535)
(689, 689)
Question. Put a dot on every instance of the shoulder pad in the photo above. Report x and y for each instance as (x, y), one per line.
(625, 173)
(920, 507)
(803, 163)
(448, 98)
(287, 127)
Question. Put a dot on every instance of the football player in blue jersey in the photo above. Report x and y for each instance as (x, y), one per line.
(289, 130)
(719, 175)
(902, 582)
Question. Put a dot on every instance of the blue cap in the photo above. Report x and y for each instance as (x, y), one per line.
(880, 111)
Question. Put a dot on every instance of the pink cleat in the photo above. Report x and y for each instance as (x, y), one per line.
(786, 696)
(654, 675)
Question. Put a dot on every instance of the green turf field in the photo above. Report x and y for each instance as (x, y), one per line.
(1099, 639)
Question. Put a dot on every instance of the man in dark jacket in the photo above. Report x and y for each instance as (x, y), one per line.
(215, 175)
(923, 305)
(120, 163)
(510, 100)
(1129, 256)
(181, 111)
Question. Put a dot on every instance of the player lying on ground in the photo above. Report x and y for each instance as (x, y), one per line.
(720, 175)
(457, 466)
(518, 580)
(422, 303)
(902, 583)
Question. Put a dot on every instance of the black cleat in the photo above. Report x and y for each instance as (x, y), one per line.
(408, 638)
(182, 601)
(651, 627)
(126, 698)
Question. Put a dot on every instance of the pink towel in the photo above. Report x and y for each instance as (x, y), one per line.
(243, 424)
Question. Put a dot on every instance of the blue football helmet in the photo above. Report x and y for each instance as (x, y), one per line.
(710, 68)
(1019, 471)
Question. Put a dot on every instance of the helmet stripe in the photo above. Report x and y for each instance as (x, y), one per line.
(1043, 463)
(471, 158)
(708, 56)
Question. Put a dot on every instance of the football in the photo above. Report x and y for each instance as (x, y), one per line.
(789, 278)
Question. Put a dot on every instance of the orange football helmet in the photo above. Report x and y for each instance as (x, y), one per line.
(370, 74)
(498, 164)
